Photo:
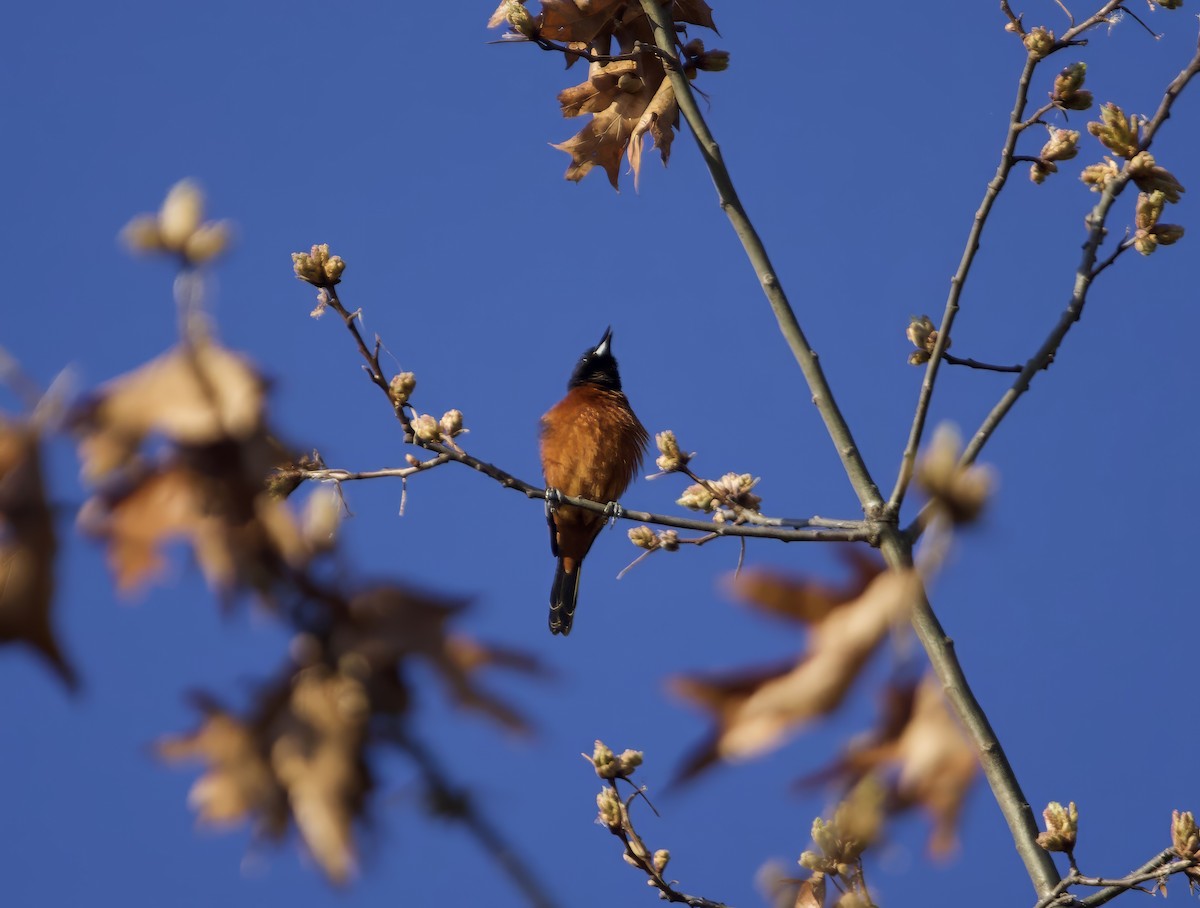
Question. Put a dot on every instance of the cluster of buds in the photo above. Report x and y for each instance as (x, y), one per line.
(401, 387)
(611, 811)
(960, 492)
(1039, 42)
(1068, 93)
(428, 428)
(645, 538)
(1150, 233)
(179, 227)
(696, 58)
(733, 491)
(924, 335)
(1149, 177)
(1062, 827)
(1116, 132)
(1097, 176)
(514, 13)
(318, 267)
(1185, 839)
(1062, 145)
(1168, 4)
(841, 840)
(671, 459)
(609, 765)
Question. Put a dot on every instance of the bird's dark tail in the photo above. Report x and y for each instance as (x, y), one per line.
(563, 594)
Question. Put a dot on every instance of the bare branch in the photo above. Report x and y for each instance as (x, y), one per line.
(806, 357)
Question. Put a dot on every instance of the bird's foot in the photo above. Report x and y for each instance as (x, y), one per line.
(553, 501)
(612, 513)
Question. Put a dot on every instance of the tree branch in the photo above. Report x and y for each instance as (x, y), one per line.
(1084, 275)
(958, 281)
(816, 529)
(806, 357)
(897, 552)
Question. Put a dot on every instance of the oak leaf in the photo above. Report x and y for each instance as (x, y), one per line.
(317, 756)
(241, 536)
(660, 118)
(755, 711)
(28, 546)
(578, 20)
(195, 394)
(386, 625)
(923, 753)
(238, 783)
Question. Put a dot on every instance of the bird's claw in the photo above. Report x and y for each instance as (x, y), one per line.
(612, 513)
(553, 501)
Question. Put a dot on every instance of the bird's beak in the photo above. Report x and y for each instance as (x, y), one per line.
(605, 342)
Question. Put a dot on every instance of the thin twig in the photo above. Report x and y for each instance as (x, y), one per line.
(1088, 269)
(806, 357)
(768, 528)
(637, 854)
(958, 281)
(952, 360)
(1162, 865)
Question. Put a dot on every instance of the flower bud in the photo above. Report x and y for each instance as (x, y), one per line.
(696, 497)
(1062, 827)
(668, 540)
(452, 423)
(1149, 177)
(426, 428)
(643, 537)
(1039, 42)
(604, 761)
(609, 809)
(629, 761)
(401, 387)
(1098, 176)
(671, 458)
(961, 492)
(180, 215)
(662, 857)
(141, 234)
(1070, 79)
(1185, 838)
(1062, 145)
(207, 242)
(1149, 209)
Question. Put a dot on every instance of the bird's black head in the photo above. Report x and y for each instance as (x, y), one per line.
(597, 367)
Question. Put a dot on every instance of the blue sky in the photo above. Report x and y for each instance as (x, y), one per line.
(860, 144)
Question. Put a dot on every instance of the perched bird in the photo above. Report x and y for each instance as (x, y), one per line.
(592, 444)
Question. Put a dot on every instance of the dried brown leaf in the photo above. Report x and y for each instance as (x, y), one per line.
(922, 750)
(388, 624)
(28, 546)
(194, 395)
(317, 756)
(659, 119)
(754, 712)
(578, 20)
(241, 536)
(803, 599)
(238, 784)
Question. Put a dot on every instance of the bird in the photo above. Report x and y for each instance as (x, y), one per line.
(592, 444)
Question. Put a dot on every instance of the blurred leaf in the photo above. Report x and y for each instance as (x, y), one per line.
(28, 546)
(754, 711)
